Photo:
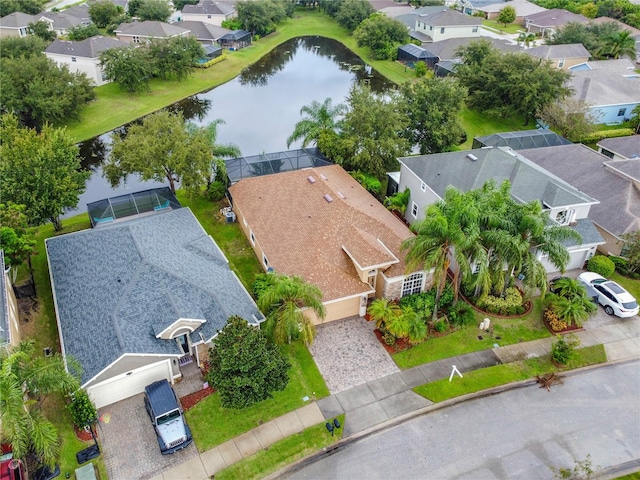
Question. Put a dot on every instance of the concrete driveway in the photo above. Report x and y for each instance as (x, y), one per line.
(129, 445)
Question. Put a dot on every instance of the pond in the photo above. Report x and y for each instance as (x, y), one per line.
(259, 108)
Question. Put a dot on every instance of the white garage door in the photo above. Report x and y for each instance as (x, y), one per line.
(577, 259)
(128, 384)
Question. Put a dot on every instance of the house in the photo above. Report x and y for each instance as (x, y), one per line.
(615, 183)
(469, 7)
(409, 17)
(62, 22)
(322, 225)
(523, 9)
(209, 11)
(16, 24)
(448, 49)
(83, 56)
(137, 298)
(547, 23)
(9, 320)
(427, 177)
(143, 32)
(620, 148)
(522, 139)
(561, 56)
(445, 25)
(206, 33)
(611, 88)
(235, 40)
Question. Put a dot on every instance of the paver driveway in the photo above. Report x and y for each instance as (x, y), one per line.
(129, 445)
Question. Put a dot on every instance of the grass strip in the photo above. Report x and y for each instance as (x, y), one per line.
(282, 453)
(485, 378)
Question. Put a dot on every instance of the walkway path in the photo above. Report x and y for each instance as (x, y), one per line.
(382, 400)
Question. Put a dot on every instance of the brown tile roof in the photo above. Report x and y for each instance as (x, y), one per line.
(302, 233)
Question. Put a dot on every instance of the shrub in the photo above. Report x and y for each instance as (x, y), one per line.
(215, 191)
(622, 265)
(461, 314)
(389, 338)
(554, 321)
(424, 302)
(420, 68)
(212, 61)
(260, 284)
(601, 265)
(602, 134)
(510, 304)
(563, 349)
(440, 326)
(82, 409)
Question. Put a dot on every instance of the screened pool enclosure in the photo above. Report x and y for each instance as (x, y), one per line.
(112, 209)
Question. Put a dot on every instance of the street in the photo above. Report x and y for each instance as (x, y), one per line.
(522, 433)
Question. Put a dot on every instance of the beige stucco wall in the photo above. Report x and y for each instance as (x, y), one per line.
(462, 31)
(614, 244)
(10, 32)
(337, 310)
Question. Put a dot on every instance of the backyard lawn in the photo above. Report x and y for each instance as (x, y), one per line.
(502, 28)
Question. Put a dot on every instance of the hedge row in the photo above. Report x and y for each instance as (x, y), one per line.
(212, 62)
(602, 134)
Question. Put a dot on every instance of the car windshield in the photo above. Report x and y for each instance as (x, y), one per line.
(166, 418)
(615, 288)
(630, 305)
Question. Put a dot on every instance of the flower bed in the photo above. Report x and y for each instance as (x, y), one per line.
(191, 400)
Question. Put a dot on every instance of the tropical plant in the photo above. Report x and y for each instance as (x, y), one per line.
(416, 327)
(25, 380)
(617, 45)
(632, 248)
(526, 39)
(320, 118)
(461, 314)
(601, 265)
(398, 325)
(572, 310)
(399, 201)
(563, 349)
(383, 311)
(82, 409)
(285, 299)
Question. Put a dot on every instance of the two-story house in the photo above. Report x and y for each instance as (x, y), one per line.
(445, 25)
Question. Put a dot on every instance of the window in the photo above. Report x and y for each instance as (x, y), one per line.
(423, 187)
(136, 39)
(253, 238)
(265, 261)
(565, 217)
(475, 29)
(621, 112)
(442, 30)
(414, 209)
(73, 59)
(561, 63)
(208, 16)
(606, 153)
(24, 32)
(412, 284)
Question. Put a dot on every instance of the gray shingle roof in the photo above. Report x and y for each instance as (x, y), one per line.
(16, 20)
(151, 29)
(619, 208)
(523, 7)
(628, 147)
(449, 17)
(204, 31)
(209, 7)
(528, 181)
(62, 21)
(602, 87)
(409, 19)
(446, 49)
(571, 50)
(117, 286)
(88, 48)
(555, 17)
(588, 232)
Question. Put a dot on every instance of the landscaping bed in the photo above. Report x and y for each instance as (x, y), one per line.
(191, 400)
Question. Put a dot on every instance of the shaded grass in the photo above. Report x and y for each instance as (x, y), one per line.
(282, 453)
(485, 378)
(212, 424)
(477, 124)
(465, 340)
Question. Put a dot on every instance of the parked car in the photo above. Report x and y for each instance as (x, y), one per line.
(615, 299)
(166, 415)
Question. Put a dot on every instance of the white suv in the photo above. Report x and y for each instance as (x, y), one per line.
(615, 299)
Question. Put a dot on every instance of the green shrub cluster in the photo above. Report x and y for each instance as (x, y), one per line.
(563, 349)
(82, 409)
(602, 134)
(461, 314)
(622, 267)
(425, 301)
(212, 61)
(601, 265)
(215, 191)
(510, 304)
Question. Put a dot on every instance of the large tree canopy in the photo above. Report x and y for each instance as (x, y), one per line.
(16, 47)
(382, 35)
(104, 12)
(40, 170)
(260, 17)
(351, 13)
(157, 10)
(130, 68)
(602, 40)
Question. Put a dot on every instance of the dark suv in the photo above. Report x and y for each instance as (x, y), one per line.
(166, 415)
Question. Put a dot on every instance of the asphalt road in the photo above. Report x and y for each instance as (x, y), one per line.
(518, 434)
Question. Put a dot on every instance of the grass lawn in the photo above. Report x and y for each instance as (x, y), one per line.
(212, 424)
(477, 124)
(501, 28)
(465, 340)
(282, 453)
(478, 380)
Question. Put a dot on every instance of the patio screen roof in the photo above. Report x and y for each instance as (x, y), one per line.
(109, 210)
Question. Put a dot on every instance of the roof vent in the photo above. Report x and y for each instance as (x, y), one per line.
(311, 179)
(472, 157)
(328, 198)
(341, 195)
(323, 177)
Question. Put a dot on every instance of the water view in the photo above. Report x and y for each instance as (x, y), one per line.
(260, 107)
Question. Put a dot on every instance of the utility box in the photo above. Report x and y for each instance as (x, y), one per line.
(231, 217)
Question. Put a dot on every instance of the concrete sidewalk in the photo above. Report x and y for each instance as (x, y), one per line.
(391, 397)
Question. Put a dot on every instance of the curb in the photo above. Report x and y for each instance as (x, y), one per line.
(614, 471)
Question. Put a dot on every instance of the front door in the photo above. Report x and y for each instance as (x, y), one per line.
(183, 343)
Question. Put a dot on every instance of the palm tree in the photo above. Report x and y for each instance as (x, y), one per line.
(398, 201)
(382, 311)
(25, 379)
(416, 326)
(321, 118)
(617, 45)
(526, 39)
(450, 230)
(572, 310)
(283, 301)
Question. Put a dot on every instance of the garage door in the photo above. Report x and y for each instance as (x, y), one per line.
(577, 259)
(128, 384)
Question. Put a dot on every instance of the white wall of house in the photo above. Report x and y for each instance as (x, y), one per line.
(421, 194)
(11, 308)
(210, 19)
(614, 113)
(89, 66)
(445, 33)
(566, 214)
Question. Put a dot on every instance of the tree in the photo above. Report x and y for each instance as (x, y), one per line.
(179, 4)
(526, 39)
(618, 45)
(352, 13)
(245, 367)
(593, 36)
(283, 302)
(449, 231)
(103, 12)
(162, 148)
(589, 10)
(157, 10)
(383, 311)
(38, 91)
(41, 29)
(399, 201)
(260, 17)
(130, 68)
(41, 171)
(218, 151)
(321, 117)
(570, 118)
(133, 6)
(25, 380)
(433, 107)
(632, 250)
(16, 47)
(175, 57)
(382, 35)
(17, 242)
(507, 15)
(82, 32)
(31, 7)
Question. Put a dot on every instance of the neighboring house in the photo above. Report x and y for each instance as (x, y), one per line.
(616, 183)
(322, 225)
(621, 148)
(235, 40)
(138, 298)
(209, 11)
(448, 49)
(16, 24)
(445, 25)
(523, 9)
(611, 88)
(561, 56)
(206, 33)
(521, 139)
(62, 22)
(547, 23)
(9, 320)
(143, 32)
(428, 176)
(470, 7)
(79, 11)
(409, 18)
(83, 56)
